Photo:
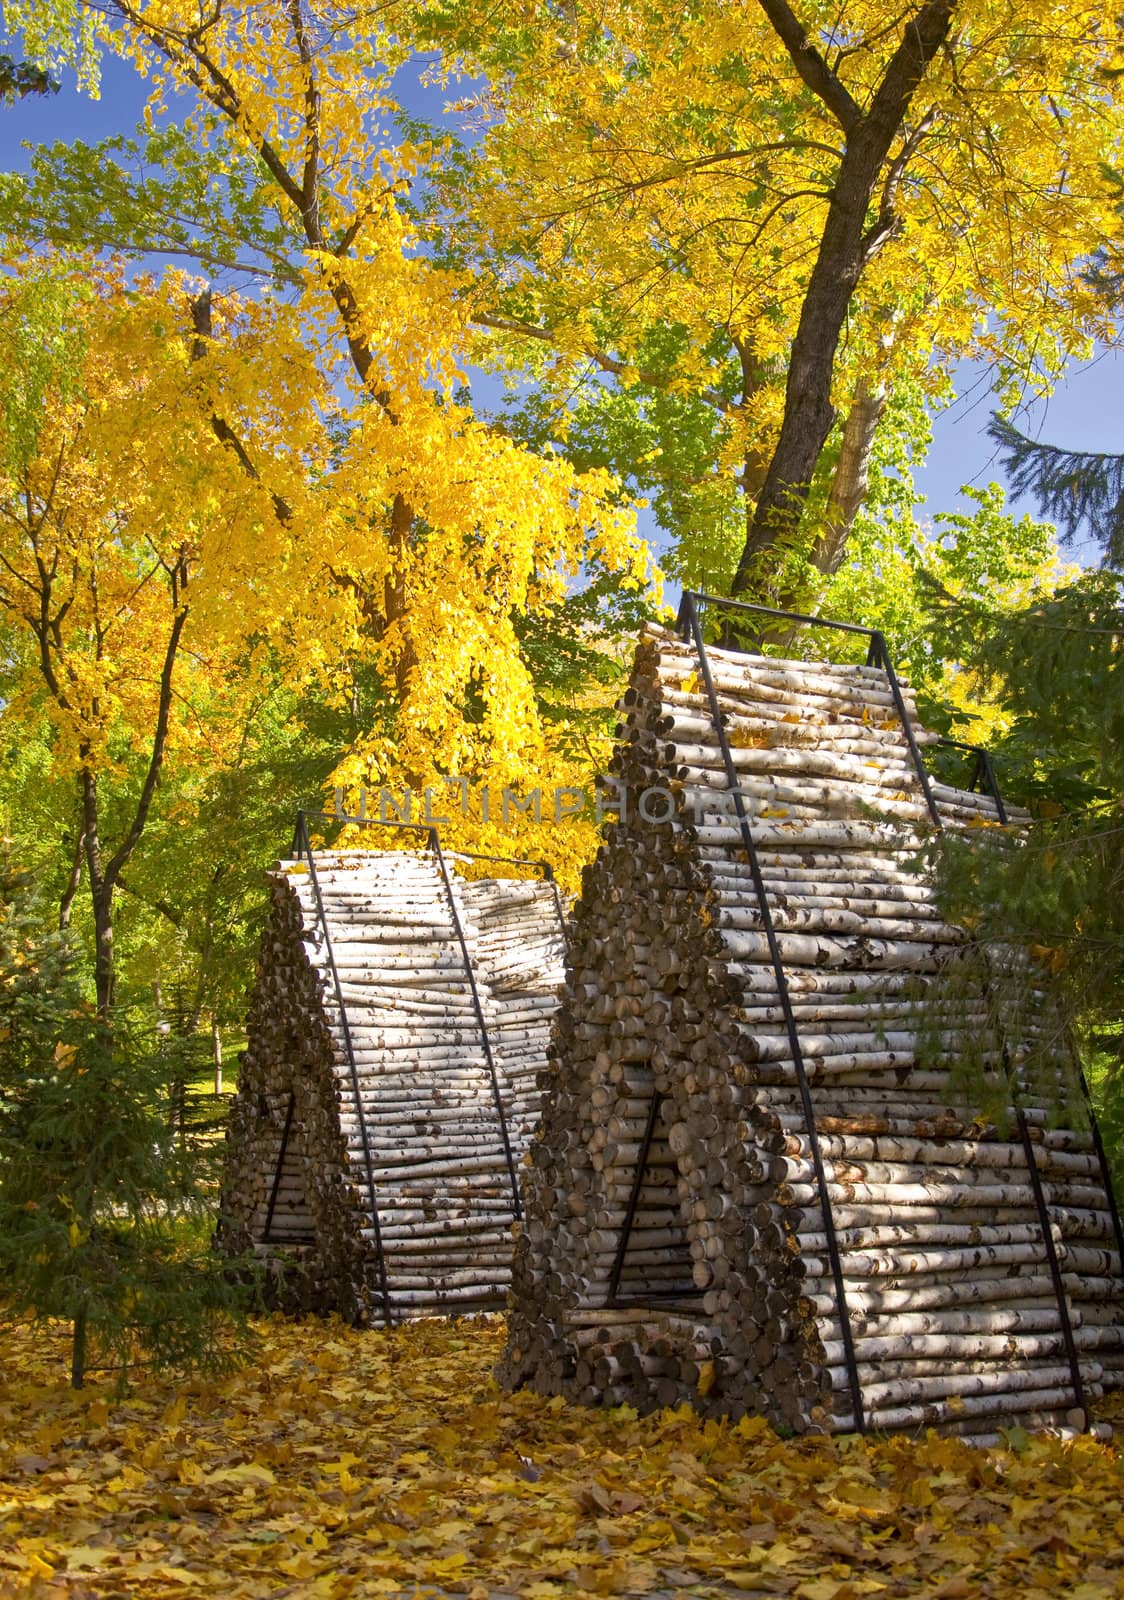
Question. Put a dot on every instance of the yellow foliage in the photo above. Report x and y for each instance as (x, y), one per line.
(665, 166)
(124, 535)
(430, 531)
(365, 1464)
(408, 536)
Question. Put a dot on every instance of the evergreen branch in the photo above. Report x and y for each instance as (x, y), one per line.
(1071, 487)
(21, 78)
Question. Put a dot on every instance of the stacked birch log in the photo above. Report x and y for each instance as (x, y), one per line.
(723, 1292)
(373, 1148)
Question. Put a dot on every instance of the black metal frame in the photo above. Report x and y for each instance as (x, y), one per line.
(303, 848)
(633, 1199)
(877, 655)
(1046, 1226)
(267, 1236)
(981, 769)
(690, 626)
(1102, 1159)
(477, 1006)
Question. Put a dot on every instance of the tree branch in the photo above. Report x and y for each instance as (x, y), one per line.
(159, 739)
(164, 907)
(74, 882)
(310, 178)
(187, 51)
(680, 169)
(201, 321)
(601, 358)
(811, 66)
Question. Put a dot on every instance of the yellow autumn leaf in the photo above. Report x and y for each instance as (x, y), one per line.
(781, 1555)
(164, 1572)
(447, 1566)
(248, 1472)
(300, 1565)
(85, 1557)
(681, 1502)
(820, 1589)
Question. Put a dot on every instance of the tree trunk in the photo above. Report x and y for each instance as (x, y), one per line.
(852, 472)
(395, 602)
(846, 245)
(101, 898)
(74, 882)
(105, 976)
(78, 1351)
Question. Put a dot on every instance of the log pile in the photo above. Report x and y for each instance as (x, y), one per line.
(678, 1242)
(396, 1200)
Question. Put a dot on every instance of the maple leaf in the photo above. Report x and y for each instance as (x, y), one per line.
(625, 1504)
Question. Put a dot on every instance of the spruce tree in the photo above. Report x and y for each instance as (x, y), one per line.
(103, 1223)
(1053, 892)
(1078, 490)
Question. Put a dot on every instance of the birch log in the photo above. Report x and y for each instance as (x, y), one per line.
(366, 1159)
(676, 1245)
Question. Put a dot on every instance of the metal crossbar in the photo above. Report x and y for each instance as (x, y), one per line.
(691, 626)
(433, 845)
(276, 1187)
(878, 655)
(634, 1197)
(428, 829)
(302, 846)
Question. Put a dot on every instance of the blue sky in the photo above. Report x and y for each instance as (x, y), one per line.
(1085, 412)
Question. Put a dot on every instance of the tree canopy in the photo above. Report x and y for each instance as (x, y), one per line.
(267, 532)
(726, 256)
(757, 221)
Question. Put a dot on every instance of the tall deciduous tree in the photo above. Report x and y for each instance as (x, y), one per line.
(446, 531)
(777, 210)
(125, 522)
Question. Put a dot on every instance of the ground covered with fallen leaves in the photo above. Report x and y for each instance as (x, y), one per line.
(342, 1463)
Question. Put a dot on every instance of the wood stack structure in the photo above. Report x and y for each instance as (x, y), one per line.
(388, 1090)
(754, 1188)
